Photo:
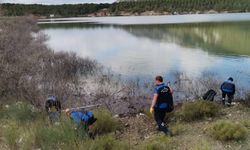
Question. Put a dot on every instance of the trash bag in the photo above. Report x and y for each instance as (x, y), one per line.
(209, 95)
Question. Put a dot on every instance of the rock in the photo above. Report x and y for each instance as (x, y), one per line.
(127, 125)
(116, 116)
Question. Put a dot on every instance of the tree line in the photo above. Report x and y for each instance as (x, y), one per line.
(131, 6)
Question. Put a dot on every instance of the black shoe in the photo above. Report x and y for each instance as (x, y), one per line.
(223, 102)
(167, 132)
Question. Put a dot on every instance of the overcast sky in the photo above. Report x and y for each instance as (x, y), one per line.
(55, 1)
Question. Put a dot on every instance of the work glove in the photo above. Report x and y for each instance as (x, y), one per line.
(151, 110)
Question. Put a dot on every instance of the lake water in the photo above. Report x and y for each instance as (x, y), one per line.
(147, 46)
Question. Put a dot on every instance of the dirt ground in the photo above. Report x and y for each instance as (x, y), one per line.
(190, 135)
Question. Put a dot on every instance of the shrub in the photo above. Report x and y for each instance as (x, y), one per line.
(105, 122)
(199, 109)
(227, 130)
(157, 142)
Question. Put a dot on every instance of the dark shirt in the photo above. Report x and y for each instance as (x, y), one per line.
(228, 87)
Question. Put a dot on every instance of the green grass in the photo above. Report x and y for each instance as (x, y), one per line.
(19, 111)
(178, 129)
(202, 146)
(104, 142)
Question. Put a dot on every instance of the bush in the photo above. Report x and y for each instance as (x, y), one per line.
(105, 122)
(157, 142)
(227, 130)
(199, 109)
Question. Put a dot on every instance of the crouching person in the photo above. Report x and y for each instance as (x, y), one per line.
(53, 108)
(228, 89)
(161, 104)
(83, 120)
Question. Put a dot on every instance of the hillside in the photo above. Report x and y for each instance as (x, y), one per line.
(126, 8)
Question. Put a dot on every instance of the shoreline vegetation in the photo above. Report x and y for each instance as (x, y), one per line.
(127, 8)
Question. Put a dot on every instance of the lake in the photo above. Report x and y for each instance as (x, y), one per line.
(142, 47)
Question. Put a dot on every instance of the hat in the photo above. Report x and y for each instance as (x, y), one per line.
(231, 79)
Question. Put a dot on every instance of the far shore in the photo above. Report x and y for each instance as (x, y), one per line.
(106, 13)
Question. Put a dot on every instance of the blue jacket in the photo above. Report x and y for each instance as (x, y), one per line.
(228, 87)
(79, 116)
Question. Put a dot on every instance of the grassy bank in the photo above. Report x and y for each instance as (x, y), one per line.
(24, 127)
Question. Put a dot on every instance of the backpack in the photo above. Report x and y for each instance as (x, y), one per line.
(209, 95)
(165, 96)
(89, 118)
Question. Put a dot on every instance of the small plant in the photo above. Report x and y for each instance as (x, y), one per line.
(227, 130)
(105, 122)
(198, 110)
(157, 142)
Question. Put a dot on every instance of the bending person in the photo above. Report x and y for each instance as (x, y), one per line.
(228, 89)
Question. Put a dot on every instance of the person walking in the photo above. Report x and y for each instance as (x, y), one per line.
(161, 104)
(228, 89)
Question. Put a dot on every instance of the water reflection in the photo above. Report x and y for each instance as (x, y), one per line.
(146, 50)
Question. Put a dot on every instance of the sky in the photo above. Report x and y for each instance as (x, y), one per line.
(48, 2)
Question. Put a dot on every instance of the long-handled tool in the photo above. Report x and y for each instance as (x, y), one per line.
(83, 107)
